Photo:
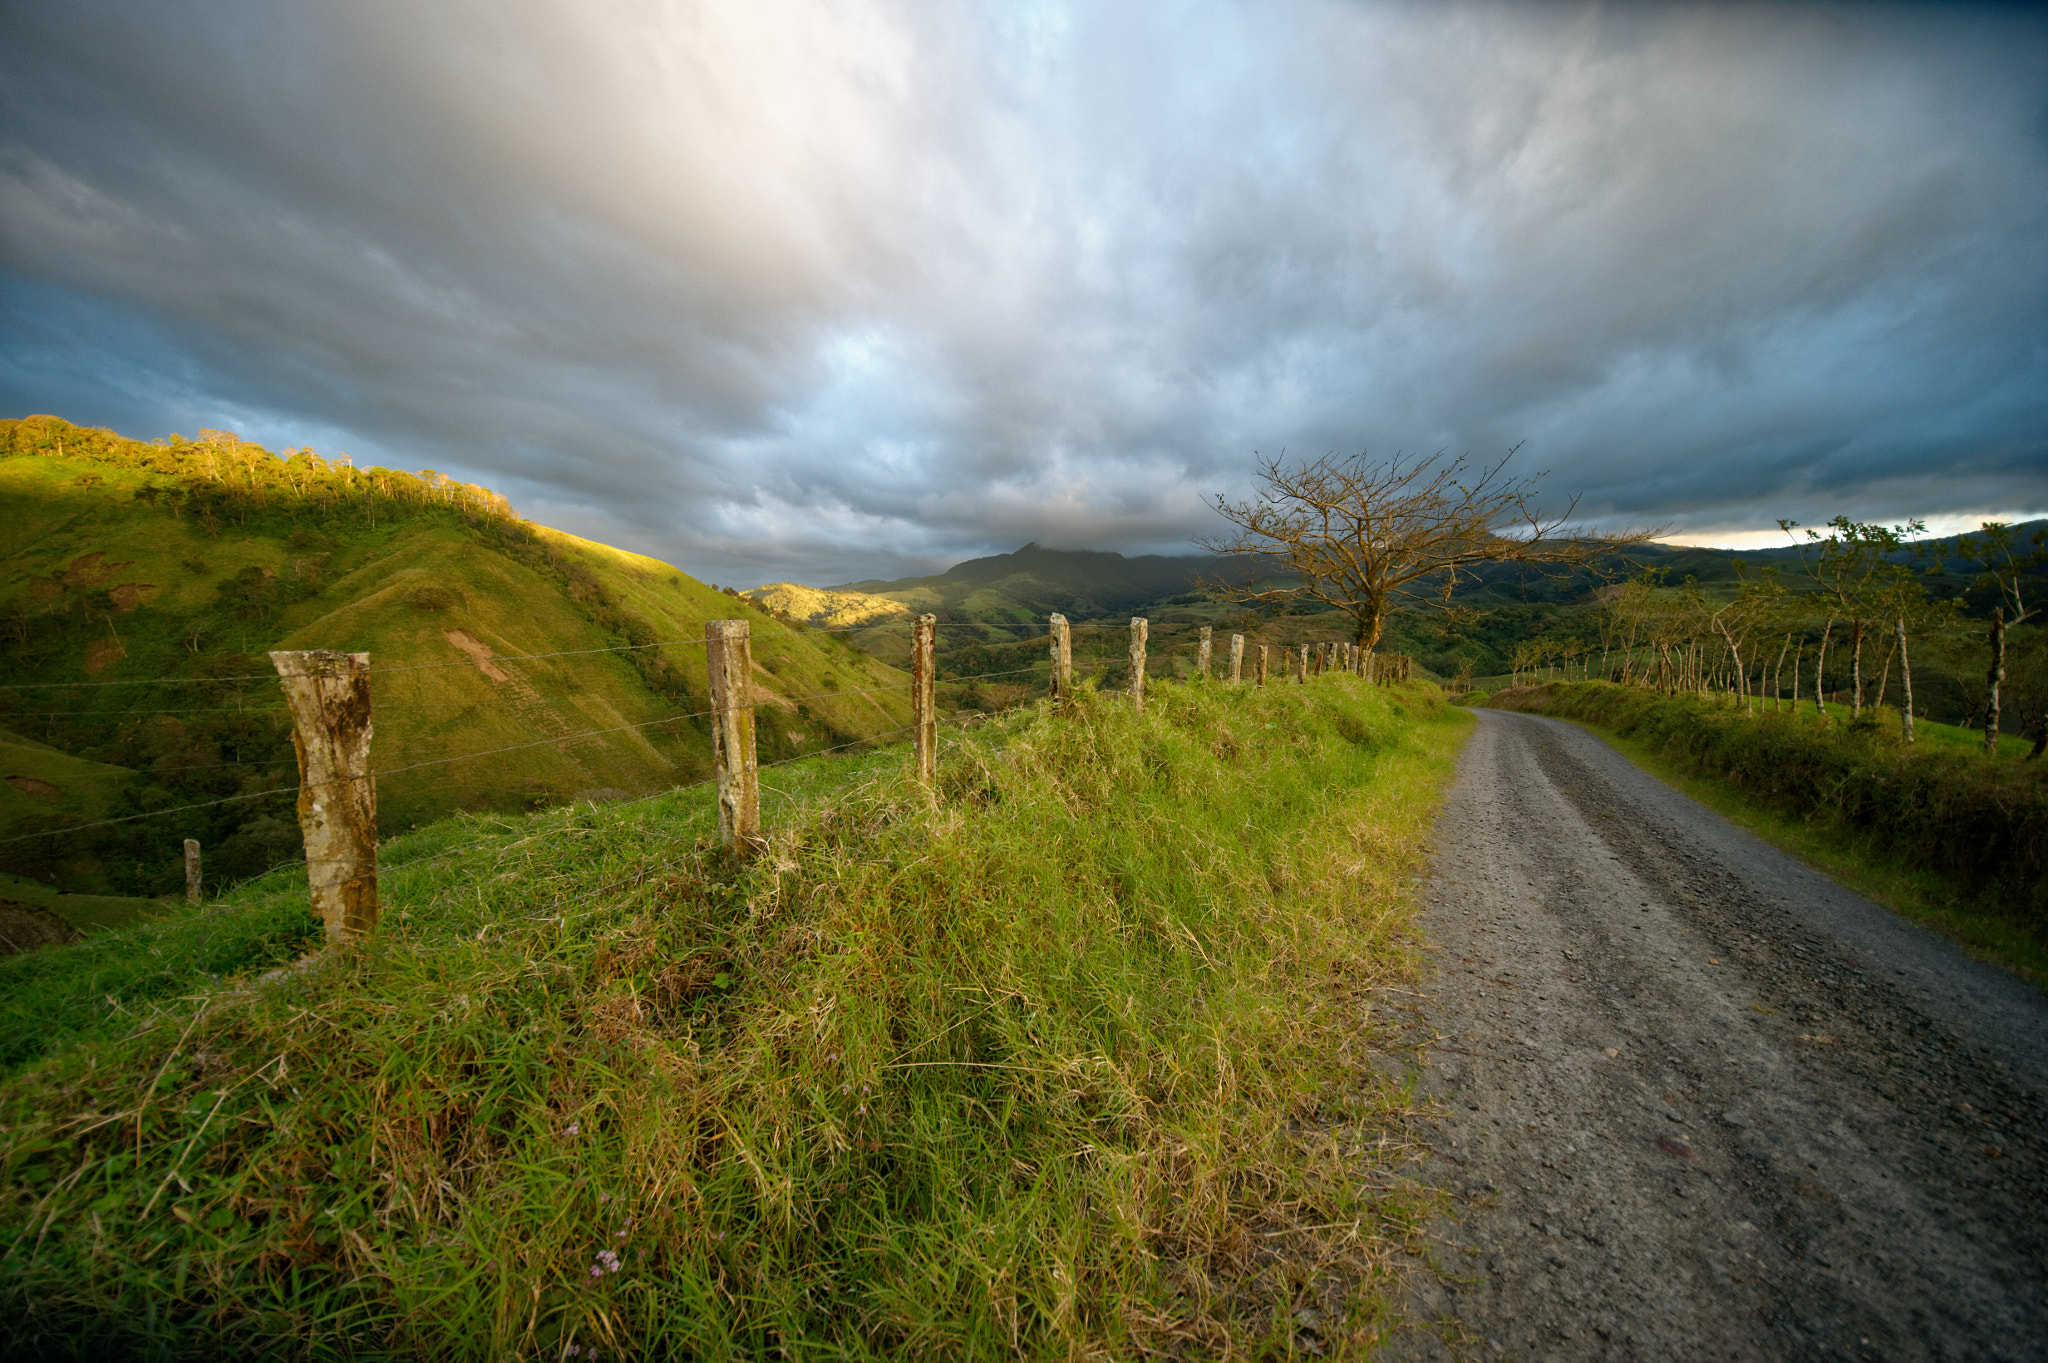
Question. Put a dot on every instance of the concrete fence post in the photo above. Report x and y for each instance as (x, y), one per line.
(924, 715)
(1062, 660)
(329, 695)
(1139, 628)
(1301, 665)
(1202, 651)
(1262, 665)
(729, 657)
(1236, 659)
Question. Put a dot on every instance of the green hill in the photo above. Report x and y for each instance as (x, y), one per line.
(992, 610)
(160, 573)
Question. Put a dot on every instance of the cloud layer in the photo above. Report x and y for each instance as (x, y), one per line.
(832, 290)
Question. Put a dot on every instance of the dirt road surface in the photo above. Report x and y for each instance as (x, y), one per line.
(1697, 1101)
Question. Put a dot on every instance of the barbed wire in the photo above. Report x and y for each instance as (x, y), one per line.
(455, 757)
(787, 632)
(274, 708)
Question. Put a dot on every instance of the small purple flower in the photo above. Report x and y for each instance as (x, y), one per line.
(573, 1128)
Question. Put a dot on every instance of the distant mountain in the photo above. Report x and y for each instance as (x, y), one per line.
(1034, 581)
(174, 566)
(1084, 584)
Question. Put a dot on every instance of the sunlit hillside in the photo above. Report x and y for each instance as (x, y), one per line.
(515, 666)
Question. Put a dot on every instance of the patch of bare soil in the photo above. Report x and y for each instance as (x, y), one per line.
(1696, 1101)
(24, 927)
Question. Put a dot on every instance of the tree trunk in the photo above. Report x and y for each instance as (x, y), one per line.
(1855, 668)
(1991, 680)
(1820, 672)
(1905, 681)
(1884, 675)
(1778, 674)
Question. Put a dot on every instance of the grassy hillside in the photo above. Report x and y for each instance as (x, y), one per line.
(188, 560)
(829, 608)
(1072, 1061)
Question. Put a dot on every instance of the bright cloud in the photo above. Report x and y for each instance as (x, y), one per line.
(834, 290)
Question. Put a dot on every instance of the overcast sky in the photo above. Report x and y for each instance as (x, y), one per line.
(829, 289)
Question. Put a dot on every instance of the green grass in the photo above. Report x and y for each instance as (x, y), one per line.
(1876, 857)
(85, 913)
(142, 562)
(1072, 1059)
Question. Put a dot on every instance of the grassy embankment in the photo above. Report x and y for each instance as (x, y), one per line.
(1935, 831)
(133, 562)
(1074, 1061)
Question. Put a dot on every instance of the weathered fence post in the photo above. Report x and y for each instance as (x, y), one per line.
(924, 697)
(1301, 665)
(1062, 660)
(729, 658)
(1236, 659)
(191, 870)
(1202, 651)
(1139, 628)
(329, 694)
(1262, 665)
(1371, 667)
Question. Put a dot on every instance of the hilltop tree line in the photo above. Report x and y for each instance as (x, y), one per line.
(1843, 631)
(1389, 542)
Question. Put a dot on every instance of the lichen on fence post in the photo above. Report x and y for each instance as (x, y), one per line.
(924, 716)
(1262, 665)
(329, 695)
(1236, 659)
(191, 870)
(729, 659)
(1062, 660)
(1202, 651)
(1301, 665)
(1139, 628)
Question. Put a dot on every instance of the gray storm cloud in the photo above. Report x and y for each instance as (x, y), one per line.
(827, 290)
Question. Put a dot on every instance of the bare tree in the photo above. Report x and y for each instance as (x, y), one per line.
(1365, 536)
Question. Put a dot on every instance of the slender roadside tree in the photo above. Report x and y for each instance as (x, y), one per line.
(1365, 536)
(2006, 568)
(1849, 566)
(1757, 605)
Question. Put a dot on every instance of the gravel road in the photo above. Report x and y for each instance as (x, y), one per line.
(1697, 1101)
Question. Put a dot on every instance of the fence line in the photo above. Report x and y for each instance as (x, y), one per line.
(329, 700)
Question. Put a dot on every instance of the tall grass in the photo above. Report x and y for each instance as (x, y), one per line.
(1072, 1059)
(1938, 806)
